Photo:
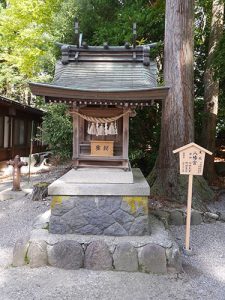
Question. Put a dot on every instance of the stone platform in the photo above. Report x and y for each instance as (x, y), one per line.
(99, 175)
(157, 253)
(114, 209)
(67, 185)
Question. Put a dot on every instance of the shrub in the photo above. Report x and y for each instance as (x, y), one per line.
(57, 131)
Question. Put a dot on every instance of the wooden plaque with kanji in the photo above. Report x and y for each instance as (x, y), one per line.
(102, 148)
(192, 157)
(192, 161)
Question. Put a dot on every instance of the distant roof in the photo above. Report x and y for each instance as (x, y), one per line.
(22, 107)
(103, 73)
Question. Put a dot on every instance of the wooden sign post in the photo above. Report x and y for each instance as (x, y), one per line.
(192, 158)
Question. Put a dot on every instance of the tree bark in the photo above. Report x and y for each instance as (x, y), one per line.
(211, 91)
(177, 125)
(177, 116)
(40, 191)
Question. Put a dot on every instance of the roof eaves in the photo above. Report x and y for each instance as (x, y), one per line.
(96, 90)
(20, 105)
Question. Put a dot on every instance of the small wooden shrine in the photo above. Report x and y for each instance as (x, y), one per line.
(103, 85)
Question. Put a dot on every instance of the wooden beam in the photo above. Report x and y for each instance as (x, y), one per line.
(101, 158)
(76, 141)
(101, 112)
(125, 134)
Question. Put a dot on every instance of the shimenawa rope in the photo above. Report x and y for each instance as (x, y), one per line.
(100, 120)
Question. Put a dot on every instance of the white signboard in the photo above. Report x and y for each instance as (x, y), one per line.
(192, 161)
(192, 158)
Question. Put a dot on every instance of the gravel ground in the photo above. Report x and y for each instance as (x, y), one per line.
(203, 277)
(220, 204)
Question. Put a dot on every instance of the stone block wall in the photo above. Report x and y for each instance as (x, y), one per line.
(100, 215)
(178, 216)
(98, 255)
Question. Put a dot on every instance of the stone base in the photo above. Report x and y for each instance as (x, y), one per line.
(157, 253)
(117, 209)
(108, 215)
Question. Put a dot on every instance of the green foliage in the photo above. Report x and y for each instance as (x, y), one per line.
(30, 28)
(218, 64)
(2, 4)
(26, 44)
(63, 22)
(219, 60)
(201, 41)
(28, 39)
(111, 20)
(144, 138)
(220, 129)
(203, 14)
(57, 130)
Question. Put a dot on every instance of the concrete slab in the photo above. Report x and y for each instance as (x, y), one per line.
(6, 192)
(67, 187)
(9, 194)
(98, 175)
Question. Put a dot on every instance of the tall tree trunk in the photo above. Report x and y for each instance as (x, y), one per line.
(211, 91)
(177, 116)
(177, 127)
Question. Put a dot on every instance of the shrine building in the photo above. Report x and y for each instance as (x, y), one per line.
(103, 85)
(102, 204)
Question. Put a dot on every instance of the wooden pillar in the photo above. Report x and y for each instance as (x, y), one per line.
(13, 137)
(76, 142)
(125, 138)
